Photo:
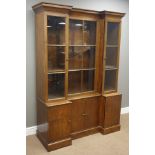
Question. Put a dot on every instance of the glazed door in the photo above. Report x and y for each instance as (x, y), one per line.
(82, 52)
(56, 56)
(111, 56)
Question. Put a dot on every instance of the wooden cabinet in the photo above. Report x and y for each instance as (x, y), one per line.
(77, 63)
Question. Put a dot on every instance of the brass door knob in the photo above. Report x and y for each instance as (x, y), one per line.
(84, 114)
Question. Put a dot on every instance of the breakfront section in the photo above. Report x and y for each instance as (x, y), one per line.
(111, 99)
(77, 62)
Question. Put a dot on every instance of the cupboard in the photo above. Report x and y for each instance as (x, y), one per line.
(77, 64)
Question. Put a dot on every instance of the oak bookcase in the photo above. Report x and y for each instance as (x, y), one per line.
(77, 63)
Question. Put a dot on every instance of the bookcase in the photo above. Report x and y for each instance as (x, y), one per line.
(77, 64)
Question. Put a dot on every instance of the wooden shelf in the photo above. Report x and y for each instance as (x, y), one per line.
(56, 71)
(82, 45)
(111, 68)
(111, 45)
(74, 70)
(55, 45)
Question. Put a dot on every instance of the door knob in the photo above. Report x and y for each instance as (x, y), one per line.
(84, 114)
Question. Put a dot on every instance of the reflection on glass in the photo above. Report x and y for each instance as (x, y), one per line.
(111, 57)
(88, 80)
(55, 85)
(89, 32)
(56, 58)
(112, 33)
(110, 80)
(56, 30)
(75, 57)
(74, 82)
(89, 57)
(76, 32)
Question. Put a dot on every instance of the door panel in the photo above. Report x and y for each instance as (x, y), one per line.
(59, 121)
(112, 110)
(78, 109)
(92, 113)
(59, 129)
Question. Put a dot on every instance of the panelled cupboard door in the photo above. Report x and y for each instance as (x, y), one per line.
(112, 110)
(59, 121)
(84, 114)
(92, 113)
(59, 129)
(78, 120)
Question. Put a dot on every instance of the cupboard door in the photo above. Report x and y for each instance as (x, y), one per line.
(59, 129)
(112, 110)
(92, 113)
(59, 118)
(78, 119)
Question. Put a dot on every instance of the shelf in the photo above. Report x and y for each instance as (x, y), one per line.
(56, 71)
(55, 45)
(111, 45)
(84, 69)
(110, 68)
(83, 45)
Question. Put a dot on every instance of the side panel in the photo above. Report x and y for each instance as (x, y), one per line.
(42, 124)
(40, 56)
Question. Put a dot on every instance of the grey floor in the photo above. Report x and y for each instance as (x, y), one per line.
(112, 144)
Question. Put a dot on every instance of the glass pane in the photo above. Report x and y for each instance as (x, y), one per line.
(89, 57)
(112, 33)
(74, 82)
(111, 55)
(88, 80)
(55, 85)
(75, 58)
(76, 32)
(56, 30)
(56, 58)
(89, 32)
(110, 80)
